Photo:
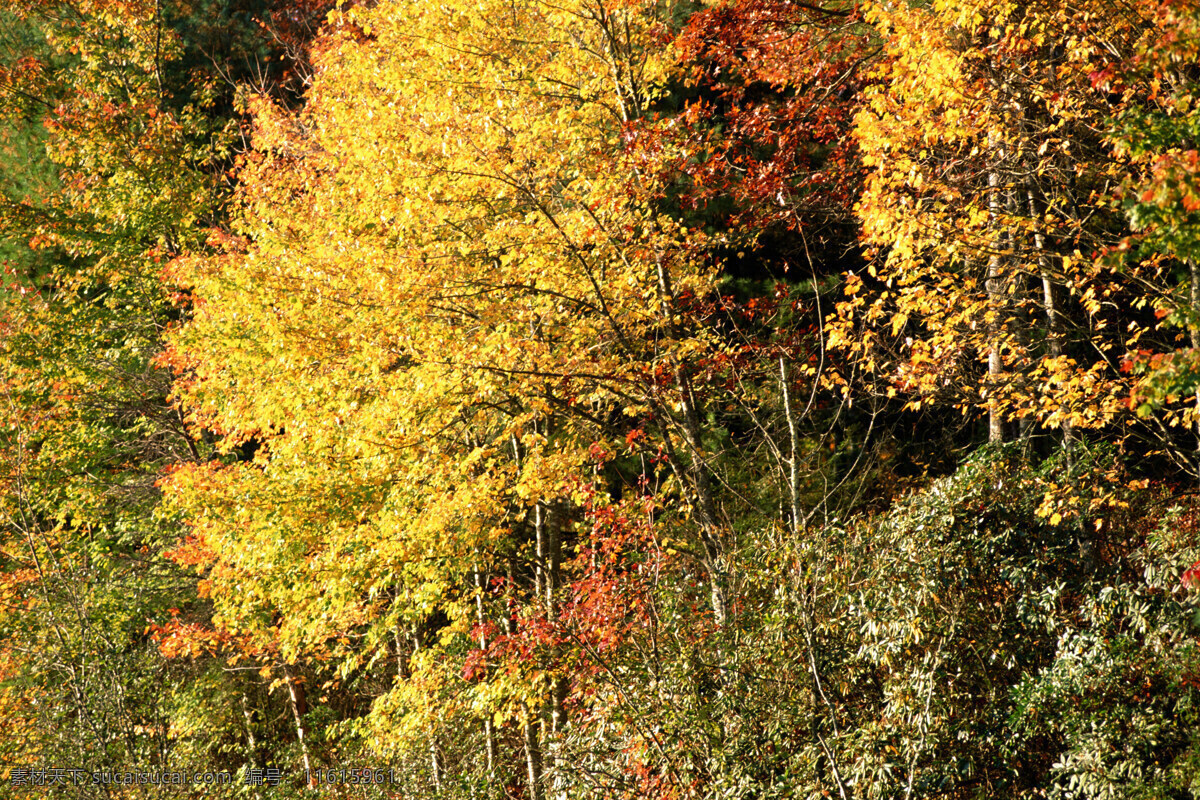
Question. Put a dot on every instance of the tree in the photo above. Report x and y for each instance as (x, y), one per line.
(441, 253)
(991, 195)
(1161, 200)
(134, 123)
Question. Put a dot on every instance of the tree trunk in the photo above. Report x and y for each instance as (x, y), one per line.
(299, 707)
(541, 581)
(1054, 332)
(251, 740)
(995, 294)
(489, 733)
(435, 759)
(793, 446)
(696, 473)
(1194, 333)
(533, 758)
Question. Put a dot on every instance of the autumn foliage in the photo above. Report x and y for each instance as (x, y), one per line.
(752, 398)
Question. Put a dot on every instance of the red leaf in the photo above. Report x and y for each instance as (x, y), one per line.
(1191, 578)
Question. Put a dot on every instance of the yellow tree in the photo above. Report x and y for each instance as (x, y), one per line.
(449, 288)
(990, 197)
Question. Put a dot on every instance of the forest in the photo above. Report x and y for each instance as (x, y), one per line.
(623, 399)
